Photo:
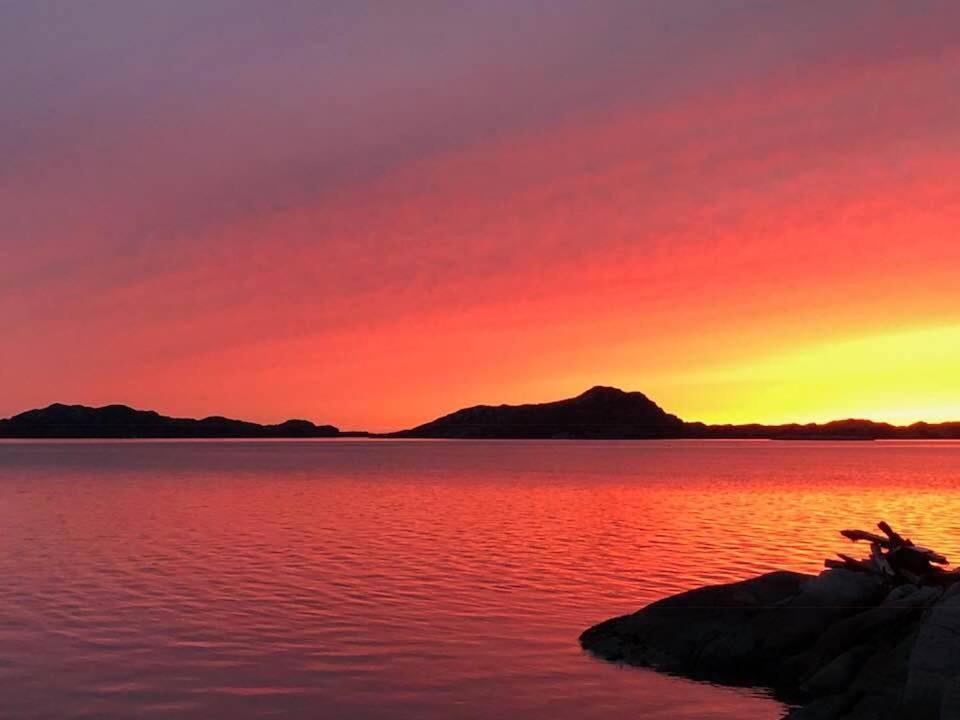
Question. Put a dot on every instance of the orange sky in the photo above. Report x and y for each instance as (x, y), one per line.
(750, 215)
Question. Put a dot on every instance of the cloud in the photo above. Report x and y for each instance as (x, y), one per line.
(249, 193)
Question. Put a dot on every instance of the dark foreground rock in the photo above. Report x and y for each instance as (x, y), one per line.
(839, 645)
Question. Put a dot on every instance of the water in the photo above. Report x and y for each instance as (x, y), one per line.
(406, 579)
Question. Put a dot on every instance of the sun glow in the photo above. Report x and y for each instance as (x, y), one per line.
(901, 377)
(763, 233)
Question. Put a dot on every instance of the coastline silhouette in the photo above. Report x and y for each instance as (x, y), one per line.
(600, 413)
(120, 421)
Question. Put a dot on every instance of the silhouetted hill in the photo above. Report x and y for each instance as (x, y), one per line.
(852, 429)
(601, 412)
(120, 421)
(606, 412)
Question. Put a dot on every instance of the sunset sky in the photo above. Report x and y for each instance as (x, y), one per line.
(373, 213)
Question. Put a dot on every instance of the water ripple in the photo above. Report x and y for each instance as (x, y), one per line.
(406, 579)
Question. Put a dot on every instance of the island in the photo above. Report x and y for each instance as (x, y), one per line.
(120, 421)
(600, 412)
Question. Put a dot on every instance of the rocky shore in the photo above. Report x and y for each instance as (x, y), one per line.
(849, 643)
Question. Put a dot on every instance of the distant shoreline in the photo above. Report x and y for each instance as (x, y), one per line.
(601, 413)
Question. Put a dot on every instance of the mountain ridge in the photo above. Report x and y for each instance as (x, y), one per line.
(602, 412)
(59, 420)
(507, 421)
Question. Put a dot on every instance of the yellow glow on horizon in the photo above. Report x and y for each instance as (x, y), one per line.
(901, 378)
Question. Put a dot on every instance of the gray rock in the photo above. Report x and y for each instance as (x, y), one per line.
(896, 614)
(822, 601)
(840, 645)
(699, 632)
(950, 702)
(934, 664)
(839, 673)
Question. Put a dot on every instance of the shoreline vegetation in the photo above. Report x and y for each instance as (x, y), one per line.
(601, 413)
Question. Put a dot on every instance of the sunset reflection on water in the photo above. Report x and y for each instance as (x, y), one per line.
(382, 579)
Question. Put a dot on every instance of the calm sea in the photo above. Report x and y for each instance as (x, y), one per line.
(406, 579)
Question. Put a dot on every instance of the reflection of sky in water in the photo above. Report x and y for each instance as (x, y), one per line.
(406, 579)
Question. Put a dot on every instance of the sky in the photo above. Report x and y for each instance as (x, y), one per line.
(373, 213)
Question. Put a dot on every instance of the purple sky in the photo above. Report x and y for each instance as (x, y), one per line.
(208, 204)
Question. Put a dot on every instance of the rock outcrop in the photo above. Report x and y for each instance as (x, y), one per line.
(839, 645)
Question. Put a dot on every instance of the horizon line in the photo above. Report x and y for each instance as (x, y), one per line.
(321, 423)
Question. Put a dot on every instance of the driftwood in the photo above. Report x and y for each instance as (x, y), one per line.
(896, 558)
(868, 536)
